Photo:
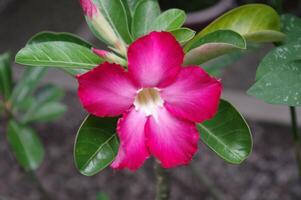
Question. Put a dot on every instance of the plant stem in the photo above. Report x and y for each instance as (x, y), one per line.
(294, 124)
(163, 182)
(44, 194)
(204, 180)
(296, 138)
(8, 110)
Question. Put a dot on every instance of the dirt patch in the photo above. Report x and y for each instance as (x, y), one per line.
(270, 173)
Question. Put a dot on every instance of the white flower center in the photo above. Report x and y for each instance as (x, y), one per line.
(148, 100)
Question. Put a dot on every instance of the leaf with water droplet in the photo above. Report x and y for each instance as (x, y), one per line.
(278, 57)
(291, 26)
(281, 85)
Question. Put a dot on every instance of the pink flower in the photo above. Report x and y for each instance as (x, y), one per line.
(159, 100)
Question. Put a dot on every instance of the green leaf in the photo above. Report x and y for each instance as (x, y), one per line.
(102, 196)
(1, 108)
(130, 5)
(227, 134)
(28, 83)
(183, 35)
(46, 112)
(169, 20)
(111, 19)
(278, 76)
(281, 85)
(26, 145)
(6, 82)
(255, 22)
(45, 107)
(145, 14)
(278, 57)
(214, 67)
(265, 36)
(291, 26)
(24, 105)
(58, 50)
(213, 45)
(96, 144)
(127, 4)
(49, 93)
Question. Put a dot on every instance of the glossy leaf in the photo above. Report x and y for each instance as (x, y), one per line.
(291, 26)
(169, 20)
(183, 35)
(281, 85)
(266, 36)
(111, 16)
(26, 145)
(247, 20)
(255, 22)
(96, 144)
(227, 134)
(28, 83)
(213, 45)
(278, 57)
(145, 14)
(58, 50)
(6, 82)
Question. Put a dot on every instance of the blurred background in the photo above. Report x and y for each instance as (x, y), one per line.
(270, 172)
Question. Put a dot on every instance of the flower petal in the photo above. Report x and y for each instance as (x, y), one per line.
(172, 140)
(106, 90)
(194, 95)
(132, 151)
(155, 59)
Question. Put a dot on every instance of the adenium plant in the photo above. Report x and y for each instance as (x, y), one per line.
(148, 95)
(158, 117)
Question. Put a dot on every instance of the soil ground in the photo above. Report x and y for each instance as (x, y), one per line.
(270, 172)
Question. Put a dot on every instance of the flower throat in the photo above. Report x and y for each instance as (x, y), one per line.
(148, 100)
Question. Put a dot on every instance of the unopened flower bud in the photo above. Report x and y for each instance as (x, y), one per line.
(102, 27)
(109, 56)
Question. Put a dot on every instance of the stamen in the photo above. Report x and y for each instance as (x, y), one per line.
(148, 100)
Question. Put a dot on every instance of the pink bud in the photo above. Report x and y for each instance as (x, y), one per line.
(89, 7)
(101, 53)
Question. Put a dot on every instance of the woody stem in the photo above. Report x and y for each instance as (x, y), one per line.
(296, 138)
(163, 182)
